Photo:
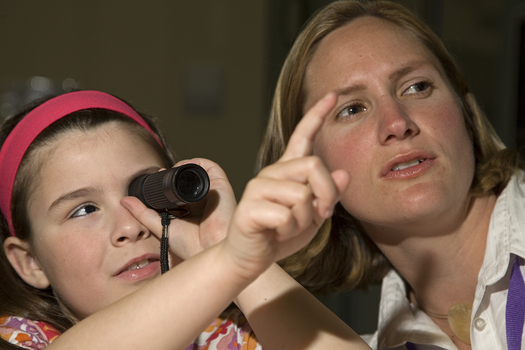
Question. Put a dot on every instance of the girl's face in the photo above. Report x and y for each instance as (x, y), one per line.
(92, 250)
(397, 127)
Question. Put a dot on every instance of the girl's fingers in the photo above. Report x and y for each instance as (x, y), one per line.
(215, 172)
(341, 180)
(143, 214)
(290, 196)
(220, 192)
(311, 172)
(264, 216)
(301, 141)
(300, 147)
(282, 222)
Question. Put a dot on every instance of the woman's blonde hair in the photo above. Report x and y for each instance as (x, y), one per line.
(343, 257)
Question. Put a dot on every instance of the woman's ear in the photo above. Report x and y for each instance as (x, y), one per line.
(23, 261)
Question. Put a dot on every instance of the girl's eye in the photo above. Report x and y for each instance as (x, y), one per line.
(418, 88)
(84, 210)
(351, 111)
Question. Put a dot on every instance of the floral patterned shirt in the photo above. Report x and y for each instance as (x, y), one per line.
(230, 331)
(26, 333)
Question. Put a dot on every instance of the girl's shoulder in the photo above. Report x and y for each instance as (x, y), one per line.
(229, 331)
(26, 333)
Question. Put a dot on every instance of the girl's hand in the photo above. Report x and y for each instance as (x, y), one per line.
(207, 221)
(284, 206)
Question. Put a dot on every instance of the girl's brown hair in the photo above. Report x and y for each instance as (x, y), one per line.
(342, 256)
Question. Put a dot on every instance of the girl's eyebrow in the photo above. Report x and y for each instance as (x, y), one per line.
(81, 192)
(90, 190)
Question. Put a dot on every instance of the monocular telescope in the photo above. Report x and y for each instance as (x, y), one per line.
(171, 188)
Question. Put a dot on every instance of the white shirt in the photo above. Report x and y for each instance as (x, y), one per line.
(400, 322)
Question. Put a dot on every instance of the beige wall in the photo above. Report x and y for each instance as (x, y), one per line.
(138, 50)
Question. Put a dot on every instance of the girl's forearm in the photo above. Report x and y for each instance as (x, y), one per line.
(167, 313)
(284, 315)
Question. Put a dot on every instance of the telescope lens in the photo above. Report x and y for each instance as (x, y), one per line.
(189, 184)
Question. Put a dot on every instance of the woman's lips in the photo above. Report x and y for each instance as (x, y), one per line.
(409, 169)
(408, 165)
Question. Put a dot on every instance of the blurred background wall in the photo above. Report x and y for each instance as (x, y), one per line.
(196, 65)
(206, 69)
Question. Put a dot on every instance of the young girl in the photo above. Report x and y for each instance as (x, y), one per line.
(80, 264)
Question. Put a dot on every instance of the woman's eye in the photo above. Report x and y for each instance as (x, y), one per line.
(418, 88)
(351, 111)
(84, 210)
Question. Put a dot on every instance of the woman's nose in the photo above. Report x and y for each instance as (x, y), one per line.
(395, 123)
(127, 228)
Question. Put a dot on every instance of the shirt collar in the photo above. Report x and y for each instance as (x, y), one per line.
(505, 236)
(400, 322)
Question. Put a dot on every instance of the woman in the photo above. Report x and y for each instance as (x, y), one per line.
(433, 200)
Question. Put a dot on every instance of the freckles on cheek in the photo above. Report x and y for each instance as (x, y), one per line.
(74, 259)
(451, 130)
(340, 154)
(449, 116)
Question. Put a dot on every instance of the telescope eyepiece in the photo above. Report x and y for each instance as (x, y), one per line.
(171, 188)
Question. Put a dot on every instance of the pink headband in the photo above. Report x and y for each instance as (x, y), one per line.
(40, 118)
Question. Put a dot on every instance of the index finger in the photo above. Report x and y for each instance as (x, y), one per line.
(301, 141)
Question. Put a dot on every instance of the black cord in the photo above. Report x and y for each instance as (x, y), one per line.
(165, 218)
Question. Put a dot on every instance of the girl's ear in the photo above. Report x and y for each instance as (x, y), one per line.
(19, 255)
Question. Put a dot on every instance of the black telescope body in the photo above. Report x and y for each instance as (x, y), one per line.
(171, 188)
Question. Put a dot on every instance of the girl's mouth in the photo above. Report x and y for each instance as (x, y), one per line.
(142, 268)
(138, 265)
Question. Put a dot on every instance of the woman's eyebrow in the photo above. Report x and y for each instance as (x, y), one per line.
(405, 69)
(409, 67)
(347, 90)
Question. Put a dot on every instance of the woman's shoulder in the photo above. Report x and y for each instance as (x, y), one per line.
(230, 330)
(26, 333)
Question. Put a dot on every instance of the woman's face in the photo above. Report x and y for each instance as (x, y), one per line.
(397, 127)
(92, 250)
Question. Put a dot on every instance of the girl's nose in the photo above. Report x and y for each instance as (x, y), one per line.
(127, 228)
